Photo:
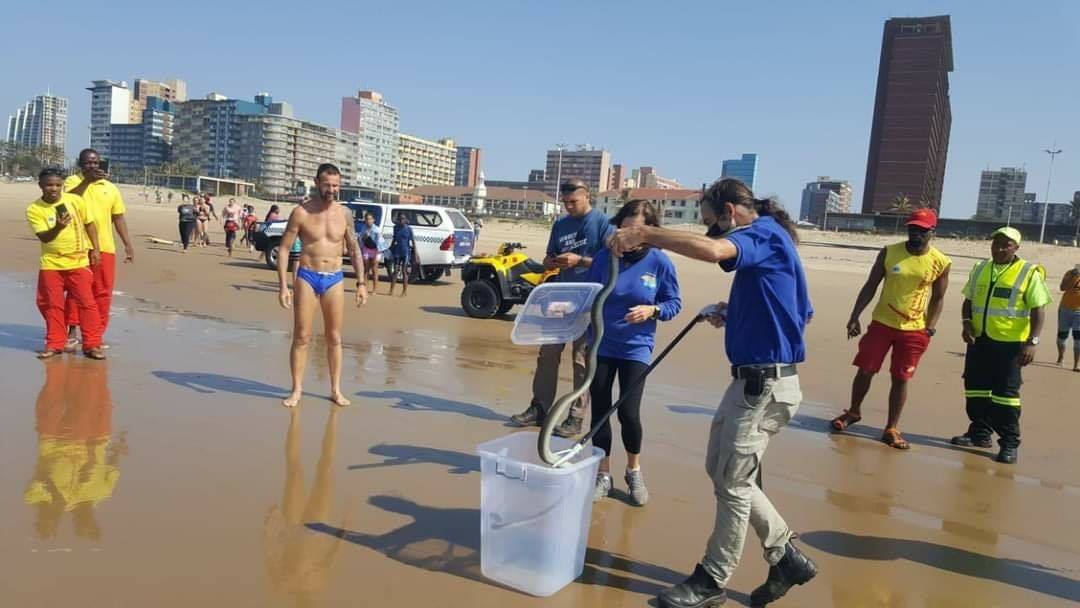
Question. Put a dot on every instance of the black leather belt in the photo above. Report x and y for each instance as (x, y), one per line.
(764, 371)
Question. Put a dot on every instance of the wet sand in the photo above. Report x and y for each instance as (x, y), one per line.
(170, 476)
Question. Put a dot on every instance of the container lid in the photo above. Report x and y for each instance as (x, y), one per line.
(555, 313)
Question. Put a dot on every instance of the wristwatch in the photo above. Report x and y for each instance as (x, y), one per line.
(1033, 340)
(655, 313)
(930, 331)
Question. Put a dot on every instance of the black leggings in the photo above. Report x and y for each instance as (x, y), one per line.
(230, 236)
(630, 410)
(186, 230)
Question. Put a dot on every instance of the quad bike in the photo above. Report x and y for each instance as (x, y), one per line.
(495, 283)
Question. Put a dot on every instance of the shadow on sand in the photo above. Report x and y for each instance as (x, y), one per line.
(448, 540)
(457, 463)
(1025, 575)
(22, 337)
(206, 384)
(416, 402)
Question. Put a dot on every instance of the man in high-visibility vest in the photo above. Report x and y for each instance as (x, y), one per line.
(1004, 305)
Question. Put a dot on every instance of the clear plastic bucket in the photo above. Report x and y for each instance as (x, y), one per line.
(534, 518)
(555, 313)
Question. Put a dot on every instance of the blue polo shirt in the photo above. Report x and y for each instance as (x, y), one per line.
(769, 306)
(585, 236)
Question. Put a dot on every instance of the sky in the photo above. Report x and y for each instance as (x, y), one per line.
(679, 86)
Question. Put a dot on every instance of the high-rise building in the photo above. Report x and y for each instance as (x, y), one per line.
(280, 154)
(466, 166)
(1001, 194)
(618, 176)
(207, 133)
(818, 199)
(743, 168)
(170, 91)
(842, 189)
(909, 138)
(422, 162)
(42, 122)
(110, 104)
(144, 144)
(377, 124)
(589, 164)
(347, 156)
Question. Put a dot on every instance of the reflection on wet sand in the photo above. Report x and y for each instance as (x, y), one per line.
(77, 463)
(298, 561)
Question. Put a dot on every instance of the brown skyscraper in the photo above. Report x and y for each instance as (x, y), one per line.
(909, 139)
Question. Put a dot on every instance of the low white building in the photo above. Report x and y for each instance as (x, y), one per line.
(675, 206)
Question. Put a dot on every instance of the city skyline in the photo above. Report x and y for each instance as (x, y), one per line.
(800, 131)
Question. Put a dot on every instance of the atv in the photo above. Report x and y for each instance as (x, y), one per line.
(495, 283)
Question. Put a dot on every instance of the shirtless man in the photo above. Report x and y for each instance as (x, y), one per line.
(324, 227)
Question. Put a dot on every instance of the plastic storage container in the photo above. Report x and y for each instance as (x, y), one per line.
(555, 313)
(534, 518)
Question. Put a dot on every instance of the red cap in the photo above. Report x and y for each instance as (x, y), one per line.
(923, 218)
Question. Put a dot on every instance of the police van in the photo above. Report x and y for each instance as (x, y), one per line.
(444, 236)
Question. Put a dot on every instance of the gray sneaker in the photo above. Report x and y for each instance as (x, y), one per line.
(635, 482)
(603, 486)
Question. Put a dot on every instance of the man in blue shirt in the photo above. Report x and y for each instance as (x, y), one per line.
(402, 247)
(765, 319)
(575, 239)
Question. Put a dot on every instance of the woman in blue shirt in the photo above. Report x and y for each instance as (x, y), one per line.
(646, 290)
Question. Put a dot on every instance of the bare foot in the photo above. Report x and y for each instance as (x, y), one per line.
(292, 400)
(339, 399)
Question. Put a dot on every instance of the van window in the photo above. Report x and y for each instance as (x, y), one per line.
(459, 221)
(420, 218)
(360, 210)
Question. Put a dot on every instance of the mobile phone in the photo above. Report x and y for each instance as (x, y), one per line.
(61, 209)
(103, 165)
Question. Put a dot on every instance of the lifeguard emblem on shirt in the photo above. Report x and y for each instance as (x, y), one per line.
(648, 280)
(51, 221)
(896, 269)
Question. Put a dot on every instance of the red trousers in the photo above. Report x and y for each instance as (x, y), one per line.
(78, 284)
(104, 279)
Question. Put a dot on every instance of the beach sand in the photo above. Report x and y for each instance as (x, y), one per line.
(171, 476)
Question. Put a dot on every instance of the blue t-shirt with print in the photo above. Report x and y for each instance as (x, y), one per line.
(769, 305)
(401, 246)
(650, 281)
(585, 236)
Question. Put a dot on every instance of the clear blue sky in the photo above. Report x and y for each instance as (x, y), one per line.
(679, 86)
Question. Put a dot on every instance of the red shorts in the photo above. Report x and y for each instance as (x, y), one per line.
(907, 347)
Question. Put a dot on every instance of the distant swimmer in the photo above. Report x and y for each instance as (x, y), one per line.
(325, 228)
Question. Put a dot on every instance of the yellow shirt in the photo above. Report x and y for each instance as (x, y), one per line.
(908, 284)
(1071, 298)
(104, 200)
(68, 250)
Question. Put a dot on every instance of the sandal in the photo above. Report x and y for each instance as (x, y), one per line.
(892, 438)
(49, 354)
(843, 421)
(95, 354)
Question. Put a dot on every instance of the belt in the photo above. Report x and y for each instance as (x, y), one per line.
(764, 371)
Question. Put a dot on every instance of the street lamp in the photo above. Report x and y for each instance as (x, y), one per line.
(1046, 199)
(558, 173)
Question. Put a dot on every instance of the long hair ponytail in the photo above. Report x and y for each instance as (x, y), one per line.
(734, 191)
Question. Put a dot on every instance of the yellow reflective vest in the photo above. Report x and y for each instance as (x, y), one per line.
(998, 307)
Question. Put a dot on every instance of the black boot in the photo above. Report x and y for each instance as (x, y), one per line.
(968, 441)
(570, 428)
(1007, 455)
(697, 591)
(532, 416)
(792, 569)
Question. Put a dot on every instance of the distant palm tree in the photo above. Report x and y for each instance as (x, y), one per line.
(901, 206)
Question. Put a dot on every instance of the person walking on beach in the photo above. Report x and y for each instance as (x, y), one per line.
(324, 227)
(646, 291)
(231, 216)
(916, 276)
(187, 216)
(402, 250)
(202, 218)
(273, 215)
(575, 240)
(1069, 317)
(765, 319)
(104, 203)
(371, 245)
(69, 248)
(1005, 300)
